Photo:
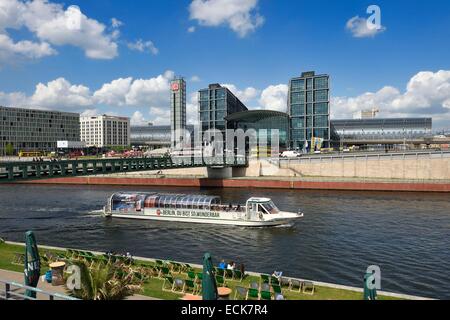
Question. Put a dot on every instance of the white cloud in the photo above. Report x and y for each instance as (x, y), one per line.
(359, 28)
(191, 29)
(150, 92)
(114, 93)
(60, 93)
(240, 15)
(244, 95)
(274, 98)
(137, 119)
(17, 99)
(90, 113)
(116, 23)
(192, 109)
(23, 49)
(142, 46)
(53, 25)
(195, 79)
(427, 94)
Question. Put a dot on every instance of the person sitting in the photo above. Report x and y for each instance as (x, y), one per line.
(238, 208)
(222, 265)
(231, 265)
(277, 274)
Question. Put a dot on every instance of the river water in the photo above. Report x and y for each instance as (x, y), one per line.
(342, 233)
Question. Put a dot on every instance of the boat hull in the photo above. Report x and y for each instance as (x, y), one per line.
(228, 222)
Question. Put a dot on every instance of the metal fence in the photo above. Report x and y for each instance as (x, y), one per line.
(16, 291)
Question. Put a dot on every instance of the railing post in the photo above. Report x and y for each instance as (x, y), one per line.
(74, 168)
(38, 170)
(11, 172)
(7, 290)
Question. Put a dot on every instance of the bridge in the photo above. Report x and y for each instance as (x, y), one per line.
(20, 171)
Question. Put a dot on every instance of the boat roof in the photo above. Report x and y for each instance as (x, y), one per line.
(170, 198)
(260, 199)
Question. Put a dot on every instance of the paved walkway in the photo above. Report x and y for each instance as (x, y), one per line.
(18, 277)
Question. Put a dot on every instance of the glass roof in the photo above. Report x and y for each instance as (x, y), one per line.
(170, 200)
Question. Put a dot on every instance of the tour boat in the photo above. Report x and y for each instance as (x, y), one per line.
(257, 212)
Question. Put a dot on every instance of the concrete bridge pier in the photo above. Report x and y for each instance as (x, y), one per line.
(220, 173)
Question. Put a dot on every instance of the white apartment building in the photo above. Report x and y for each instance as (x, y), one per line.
(105, 131)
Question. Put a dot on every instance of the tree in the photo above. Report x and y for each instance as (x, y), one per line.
(9, 149)
(104, 282)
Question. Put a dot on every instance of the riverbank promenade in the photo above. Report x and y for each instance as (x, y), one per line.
(158, 277)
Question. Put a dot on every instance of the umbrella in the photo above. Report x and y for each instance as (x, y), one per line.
(370, 292)
(32, 263)
(208, 280)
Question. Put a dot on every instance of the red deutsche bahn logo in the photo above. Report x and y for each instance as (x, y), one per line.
(175, 86)
(158, 212)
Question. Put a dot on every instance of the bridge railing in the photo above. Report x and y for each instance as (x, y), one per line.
(16, 291)
(10, 171)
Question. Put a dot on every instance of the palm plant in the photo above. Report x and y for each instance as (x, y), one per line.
(101, 281)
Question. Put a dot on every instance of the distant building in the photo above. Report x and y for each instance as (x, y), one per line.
(309, 110)
(383, 132)
(36, 130)
(105, 131)
(366, 114)
(177, 110)
(215, 104)
(264, 122)
(154, 137)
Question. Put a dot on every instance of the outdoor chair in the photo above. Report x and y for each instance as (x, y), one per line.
(252, 294)
(220, 272)
(159, 262)
(187, 267)
(276, 289)
(296, 285)
(199, 276)
(164, 271)
(254, 285)
(189, 286)
(45, 259)
(264, 278)
(168, 284)
(265, 295)
(238, 275)
(220, 281)
(229, 274)
(285, 282)
(240, 293)
(191, 275)
(70, 253)
(265, 287)
(275, 281)
(19, 259)
(308, 287)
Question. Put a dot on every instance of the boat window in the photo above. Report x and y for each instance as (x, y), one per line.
(262, 209)
(270, 207)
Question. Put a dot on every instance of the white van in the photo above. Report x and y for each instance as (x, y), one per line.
(290, 154)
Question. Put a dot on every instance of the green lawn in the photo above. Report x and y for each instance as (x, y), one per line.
(153, 286)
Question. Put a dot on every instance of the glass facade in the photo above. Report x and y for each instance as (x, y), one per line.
(216, 103)
(264, 122)
(382, 129)
(309, 109)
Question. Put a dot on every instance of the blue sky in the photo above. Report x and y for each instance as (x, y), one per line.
(253, 46)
